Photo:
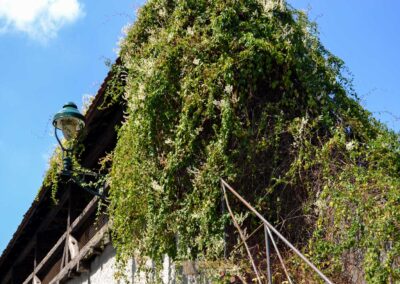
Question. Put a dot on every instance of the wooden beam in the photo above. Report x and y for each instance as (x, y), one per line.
(89, 209)
(74, 262)
(47, 257)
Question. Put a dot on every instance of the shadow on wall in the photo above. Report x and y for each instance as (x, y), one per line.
(101, 270)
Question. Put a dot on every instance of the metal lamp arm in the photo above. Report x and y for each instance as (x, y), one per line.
(68, 170)
(88, 189)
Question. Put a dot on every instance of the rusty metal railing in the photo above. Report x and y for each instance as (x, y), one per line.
(268, 230)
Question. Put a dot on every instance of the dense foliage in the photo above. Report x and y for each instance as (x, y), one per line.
(246, 92)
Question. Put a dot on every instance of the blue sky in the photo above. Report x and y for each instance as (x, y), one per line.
(53, 51)
(48, 57)
(366, 35)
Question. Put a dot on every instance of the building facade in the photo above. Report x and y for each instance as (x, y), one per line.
(68, 240)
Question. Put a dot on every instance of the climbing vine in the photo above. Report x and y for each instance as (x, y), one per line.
(114, 85)
(246, 92)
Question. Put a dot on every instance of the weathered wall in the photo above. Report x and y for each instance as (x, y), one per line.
(103, 267)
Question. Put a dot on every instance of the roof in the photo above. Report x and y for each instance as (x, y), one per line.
(99, 137)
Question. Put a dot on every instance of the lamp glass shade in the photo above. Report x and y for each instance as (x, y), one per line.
(69, 120)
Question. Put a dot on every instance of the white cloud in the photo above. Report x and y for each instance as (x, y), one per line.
(40, 19)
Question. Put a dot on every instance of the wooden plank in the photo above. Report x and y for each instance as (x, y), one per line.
(46, 258)
(74, 262)
(89, 209)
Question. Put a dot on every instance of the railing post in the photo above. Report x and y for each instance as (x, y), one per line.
(268, 253)
(241, 234)
(223, 210)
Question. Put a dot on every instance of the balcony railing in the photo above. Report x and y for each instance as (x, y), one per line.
(269, 237)
(65, 257)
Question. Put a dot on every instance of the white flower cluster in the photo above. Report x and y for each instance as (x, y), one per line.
(350, 145)
(156, 186)
(190, 31)
(228, 89)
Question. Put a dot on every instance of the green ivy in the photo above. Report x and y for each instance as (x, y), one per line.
(115, 85)
(51, 179)
(237, 90)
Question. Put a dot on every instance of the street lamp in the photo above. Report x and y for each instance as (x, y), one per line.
(70, 121)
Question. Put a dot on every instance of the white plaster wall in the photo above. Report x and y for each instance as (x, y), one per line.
(103, 267)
